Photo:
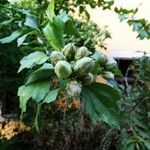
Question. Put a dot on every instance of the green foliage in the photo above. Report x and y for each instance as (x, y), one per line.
(141, 26)
(53, 32)
(42, 73)
(100, 103)
(124, 13)
(99, 100)
(51, 96)
(9, 62)
(135, 111)
(10, 38)
(36, 90)
(35, 28)
(50, 10)
(89, 35)
(36, 58)
(31, 22)
(38, 33)
(144, 68)
(70, 6)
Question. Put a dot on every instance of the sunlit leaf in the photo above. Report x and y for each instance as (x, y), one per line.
(50, 10)
(21, 39)
(54, 33)
(51, 96)
(37, 91)
(33, 59)
(14, 35)
(63, 16)
(31, 22)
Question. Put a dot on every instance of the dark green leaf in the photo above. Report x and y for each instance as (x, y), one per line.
(147, 144)
(100, 103)
(42, 73)
(6, 22)
(36, 123)
(40, 89)
(131, 146)
(108, 95)
(70, 28)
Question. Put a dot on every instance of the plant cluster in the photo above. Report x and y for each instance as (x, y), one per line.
(26, 27)
(75, 70)
(62, 79)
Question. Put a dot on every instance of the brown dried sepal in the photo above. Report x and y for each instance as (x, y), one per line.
(62, 104)
(55, 82)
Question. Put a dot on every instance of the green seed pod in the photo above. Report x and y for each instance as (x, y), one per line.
(56, 56)
(82, 52)
(74, 88)
(83, 66)
(111, 65)
(69, 51)
(88, 79)
(108, 75)
(63, 69)
(99, 57)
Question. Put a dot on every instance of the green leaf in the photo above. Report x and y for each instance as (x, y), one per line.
(64, 16)
(33, 59)
(43, 72)
(6, 22)
(31, 22)
(70, 28)
(50, 10)
(40, 89)
(100, 103)
(117, 72)
(97, 69)
(21, 39)
(147, 143)
(25, 94)
(108, 95)
(54, 33)
(36, 123)
(14, 35)
(51, 96)
(23, 11)
(36, 91)
(122, 17)
(131, 146)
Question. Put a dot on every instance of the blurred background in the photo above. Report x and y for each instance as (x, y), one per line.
(123, 41)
